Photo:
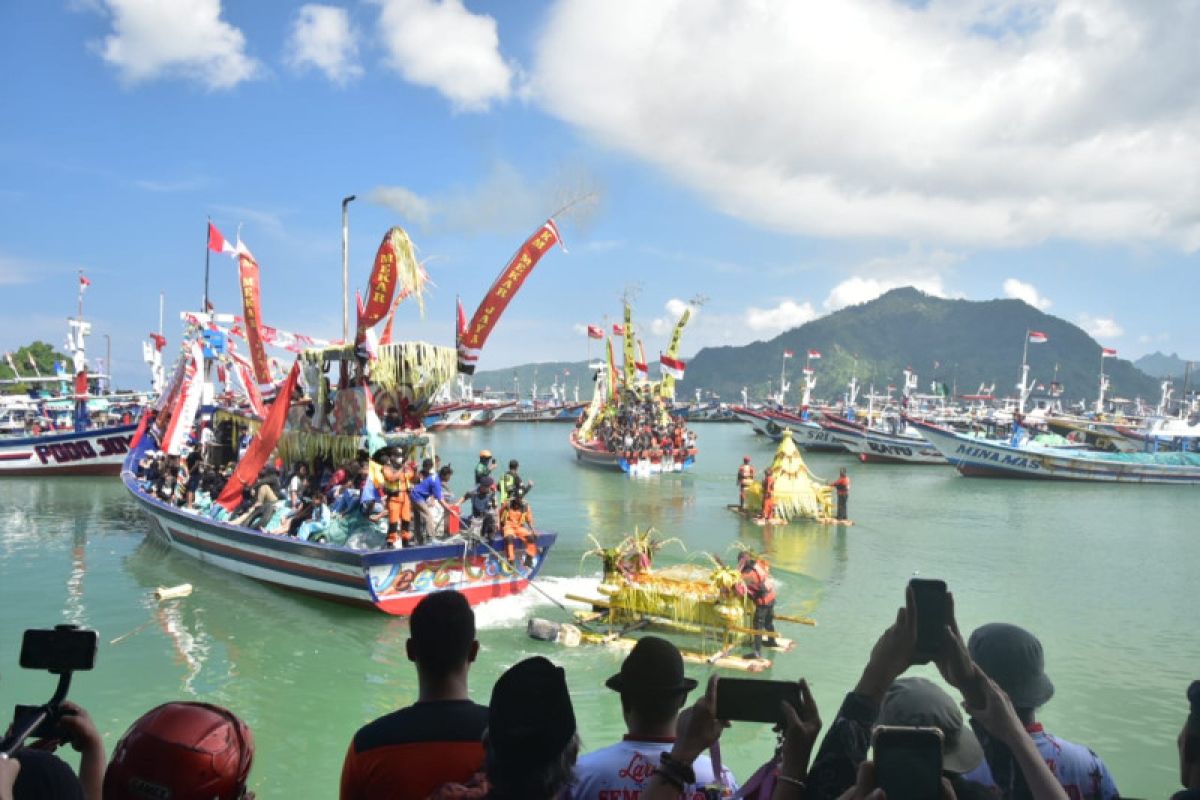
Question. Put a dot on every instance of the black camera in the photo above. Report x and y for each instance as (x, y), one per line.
(61, 651)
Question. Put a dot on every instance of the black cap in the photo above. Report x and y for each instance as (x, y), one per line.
(1013, 658)
(654, 665)
(530, 718)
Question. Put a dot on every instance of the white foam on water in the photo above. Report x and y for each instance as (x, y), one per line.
(514, 610)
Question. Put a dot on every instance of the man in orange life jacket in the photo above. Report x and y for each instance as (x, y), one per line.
(759, 587)
(397, 480)
(842, 486)
(768, 496)
(516, 522)
(745, 478)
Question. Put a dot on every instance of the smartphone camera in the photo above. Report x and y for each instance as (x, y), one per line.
(749, 700)
(908, 762)
(64, 648)
(932, 605)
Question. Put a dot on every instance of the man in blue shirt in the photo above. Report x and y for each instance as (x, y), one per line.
(430, 503)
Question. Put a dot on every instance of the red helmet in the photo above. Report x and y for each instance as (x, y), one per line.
(185, 751)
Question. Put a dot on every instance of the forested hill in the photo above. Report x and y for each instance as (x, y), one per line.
(960, 343)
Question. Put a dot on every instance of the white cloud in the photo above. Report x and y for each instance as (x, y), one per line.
(1100, 327)
(442, 45)
(785, 316)
(662, 326)
(322, 37)
(403, 201)
(187, 39)
(995, 122)
(857, 289)
(1019, 290)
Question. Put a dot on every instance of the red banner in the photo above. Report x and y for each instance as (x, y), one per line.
(252, 313)
(261, 445)
(382, 283)
(501, 292)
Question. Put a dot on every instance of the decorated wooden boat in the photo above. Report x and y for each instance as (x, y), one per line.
(1002, 459)
(95, 451)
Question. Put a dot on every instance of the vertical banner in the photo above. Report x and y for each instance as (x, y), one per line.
(263, 443)
(183, 414)
(501, 293)
(613, 379)
(667, 387)
(252, 313)
(381, 286)
(630, 358)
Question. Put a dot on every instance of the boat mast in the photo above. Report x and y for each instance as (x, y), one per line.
(1023, 386)
(1103, 385)
(346, 201)
(783, 384)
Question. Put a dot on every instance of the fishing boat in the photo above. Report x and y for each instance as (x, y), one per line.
(976, 457)
(773, 422)
(628, 424)
(72, 426)
(694, 600)
(898, 444)
(545, 412)
(324, 412)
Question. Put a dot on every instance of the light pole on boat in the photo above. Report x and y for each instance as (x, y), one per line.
(108, 362)
(346, 201)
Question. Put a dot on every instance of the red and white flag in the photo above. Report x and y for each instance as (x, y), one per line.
(618, 329)
(1108, 352)
(595, 332)
(159, 340)
(83, 282)
(217, 243)
(788, 354)
(671, 366)
(814, 353)
(1037, 337)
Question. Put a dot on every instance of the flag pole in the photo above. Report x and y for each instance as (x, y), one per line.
(346, 201)
(207, 255)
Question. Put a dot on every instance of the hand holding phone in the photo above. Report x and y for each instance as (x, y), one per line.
(929, 598)
(750, 700)
(908, 762)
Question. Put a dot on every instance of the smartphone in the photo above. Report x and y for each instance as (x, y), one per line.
(63, 649)
(930, 597)
(749, 700)
(908, 762)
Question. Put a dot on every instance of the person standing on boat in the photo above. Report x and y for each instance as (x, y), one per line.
(759, 586)
(842, 487)
(397, 480)
(745, 479)
(511, 484)
(430, 502)
(485, 466)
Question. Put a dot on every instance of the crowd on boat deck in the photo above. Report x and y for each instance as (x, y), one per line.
(643, 429)
(526, 743)
(365, 503)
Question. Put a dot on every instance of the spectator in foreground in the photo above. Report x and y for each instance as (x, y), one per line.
(410, 752)
(531, 743)
(1189, 748)
(182, 751)
(653, 688)
(1013, 658)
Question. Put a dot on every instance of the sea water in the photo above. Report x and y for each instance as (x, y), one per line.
(1105, 575)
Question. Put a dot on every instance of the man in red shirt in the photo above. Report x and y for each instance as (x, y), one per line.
(408, 753)
(842, 487)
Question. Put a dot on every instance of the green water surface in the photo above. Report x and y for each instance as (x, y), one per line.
(1105, 575)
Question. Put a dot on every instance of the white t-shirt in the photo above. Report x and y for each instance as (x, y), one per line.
(621, 771)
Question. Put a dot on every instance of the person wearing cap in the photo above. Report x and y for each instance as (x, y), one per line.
(483, 506)
(1189, 748)
(516, 523)
(1013, 658)
(745, 479)
(485, 466)
(653, 689)
(511, 483)
(917, 702)
(182, 751)
(408, 753)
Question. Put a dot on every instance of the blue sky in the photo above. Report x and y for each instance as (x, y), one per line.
(781, 159)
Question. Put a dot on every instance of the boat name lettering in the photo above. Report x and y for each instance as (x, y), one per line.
(890, 449)
(432, 575)
(66, 452)
(1007, 459)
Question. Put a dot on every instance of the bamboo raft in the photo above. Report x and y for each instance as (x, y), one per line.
(684, 599)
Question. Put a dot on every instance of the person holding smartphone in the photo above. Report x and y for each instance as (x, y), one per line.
(652, 687)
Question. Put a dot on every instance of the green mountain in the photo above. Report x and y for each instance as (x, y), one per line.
(543, 374)
(959, 343)
(1161, 365)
